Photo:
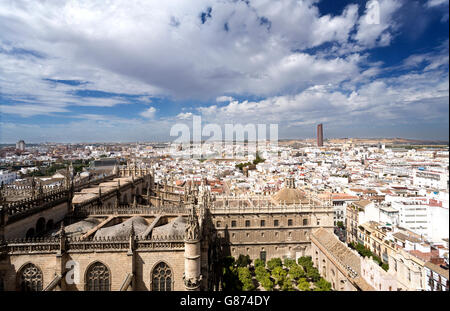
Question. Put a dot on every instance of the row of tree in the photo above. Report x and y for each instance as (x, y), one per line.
(256, 161)
(365, 252)
(240, 274)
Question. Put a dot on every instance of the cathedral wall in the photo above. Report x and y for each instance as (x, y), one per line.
(329, 271)
(18, 229)
(255, 233)
(118, 263)
(47, 263)
(146, 261)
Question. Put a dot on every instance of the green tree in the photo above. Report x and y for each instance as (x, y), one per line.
(261, 273)
(322, 285)
(228, 261)
(340, 224)
(274, 262)
(287, 285)
(259, 262)
(303, 285)
(296, 272)
(313, 274)
(243, 261)
(279, 274)
(267, 283)
(305, 262)
(230, 277)
(245, 277)
(289, 262)
(258, 159)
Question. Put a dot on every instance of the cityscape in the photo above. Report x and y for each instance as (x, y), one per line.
(293, 146)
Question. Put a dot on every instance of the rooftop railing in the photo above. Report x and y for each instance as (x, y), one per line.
(76, 244)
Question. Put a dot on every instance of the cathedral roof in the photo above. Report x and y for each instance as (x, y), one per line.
(81, 227)
(289, 196)
(123, 229)
(174, 228)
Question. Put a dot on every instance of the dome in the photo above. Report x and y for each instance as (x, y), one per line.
(123, 229)
(174, 228)
(289, 196)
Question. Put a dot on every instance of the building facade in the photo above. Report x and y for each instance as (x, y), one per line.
(127, 232)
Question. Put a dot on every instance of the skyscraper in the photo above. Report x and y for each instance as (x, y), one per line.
(320, 135)
(20, 145)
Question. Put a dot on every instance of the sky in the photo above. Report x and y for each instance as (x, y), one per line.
(129, 70)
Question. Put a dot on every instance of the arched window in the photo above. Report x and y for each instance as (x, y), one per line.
(98, 277)
(162, 277)
(40, 226)
(30, 233)
(49, 225)
(30, 278)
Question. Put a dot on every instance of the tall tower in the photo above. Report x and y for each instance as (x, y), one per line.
(192, 252)
(320, 135)
(20, 145)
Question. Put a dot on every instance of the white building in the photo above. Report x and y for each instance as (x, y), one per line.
(376, 277)
(413, 215)
(436, 277)
(423, 217)
(7, 177)
(431, 179)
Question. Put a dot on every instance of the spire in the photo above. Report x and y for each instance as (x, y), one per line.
(62, 230)
(134, 201)
(192, 226)
(115, 170)
(71, 170)
(131, 244)
(132, 232)
(41, 189)
(33, 187)
(1, 194)
(3, 219)
(62, 239)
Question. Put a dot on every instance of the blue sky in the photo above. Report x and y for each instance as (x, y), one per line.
(85, 71)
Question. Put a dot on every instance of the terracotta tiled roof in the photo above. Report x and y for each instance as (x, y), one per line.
(425, 256)
(363, 285)
(363, 203)
(438, 269)
(289, 196)
(343, 196)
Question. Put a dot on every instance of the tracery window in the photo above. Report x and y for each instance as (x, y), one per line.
(98, 277)
(162, 278)
(30, 278)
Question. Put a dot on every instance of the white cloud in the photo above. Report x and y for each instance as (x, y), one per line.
(161, 49)
(31, 110)
(149, 113)
(413, 97)
(375, 27)
(221, 99)
(135, 47)
(434, 3)
(184, 115)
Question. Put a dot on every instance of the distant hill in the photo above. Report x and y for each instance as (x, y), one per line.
(386, 141)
